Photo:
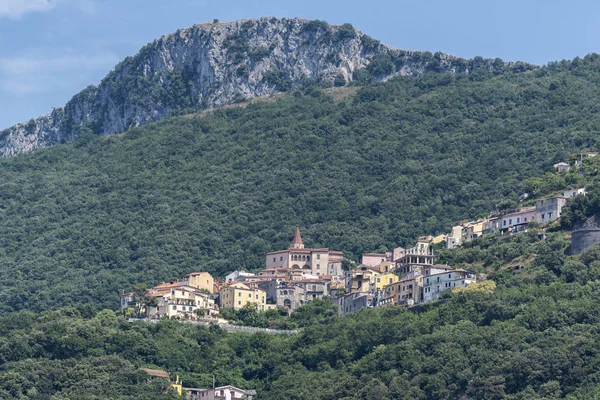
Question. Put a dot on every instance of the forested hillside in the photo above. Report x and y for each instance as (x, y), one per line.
(534, 337)
(81, 221)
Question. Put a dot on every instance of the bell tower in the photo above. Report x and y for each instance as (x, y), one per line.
(297, 243)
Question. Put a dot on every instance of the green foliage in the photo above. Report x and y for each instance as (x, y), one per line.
(529, 337)
(346, 31)
(278, 79)
(82, 221)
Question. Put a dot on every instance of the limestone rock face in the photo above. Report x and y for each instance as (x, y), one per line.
(215, 64)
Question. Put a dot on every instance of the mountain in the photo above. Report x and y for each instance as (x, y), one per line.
(215, 64)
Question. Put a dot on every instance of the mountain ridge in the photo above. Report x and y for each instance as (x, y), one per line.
(214, 64)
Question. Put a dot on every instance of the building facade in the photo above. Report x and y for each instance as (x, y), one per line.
(548, 210)
(317, 261)
(236, 295)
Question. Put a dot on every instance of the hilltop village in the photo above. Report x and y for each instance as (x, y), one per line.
(294, 276)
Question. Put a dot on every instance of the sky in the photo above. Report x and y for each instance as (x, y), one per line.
(52, 49)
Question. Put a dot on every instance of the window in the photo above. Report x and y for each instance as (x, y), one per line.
(318, 266)
(450, 276)
(274, 259)
(174, 307)
(280, 259)
(510, 221)
(318, 256)
(518, 220)
(378, 280)
(250, 295)
(190, 308)
(239, 303)
(525, 219)
(504, 222)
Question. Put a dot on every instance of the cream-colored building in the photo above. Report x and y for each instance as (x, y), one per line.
(181, 301)
(236, 295)
(202, 281)
(317, 261)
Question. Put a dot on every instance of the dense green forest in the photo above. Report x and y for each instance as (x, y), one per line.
(79, 222)
(534, 337)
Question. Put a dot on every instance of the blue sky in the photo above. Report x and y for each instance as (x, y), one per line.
(51, 49)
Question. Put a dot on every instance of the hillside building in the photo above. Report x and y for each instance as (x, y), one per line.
(548, 210)
(317, 261)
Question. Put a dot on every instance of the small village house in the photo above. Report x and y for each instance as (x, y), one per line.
(435, 284)
(574, 192)
(237, 294)
(201, 280)
(548, 210)
(562, 167)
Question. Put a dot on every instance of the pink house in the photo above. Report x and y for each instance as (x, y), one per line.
(374, 259)
(518, 220)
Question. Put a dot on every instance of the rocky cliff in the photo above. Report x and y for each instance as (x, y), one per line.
(215, 64)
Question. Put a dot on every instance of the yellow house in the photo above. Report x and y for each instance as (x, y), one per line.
(385, 279)
(201, 280)
(236, 295)
(360, 280)
(439, 239)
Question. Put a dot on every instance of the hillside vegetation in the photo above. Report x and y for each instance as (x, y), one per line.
(82, 221)
(534, 337)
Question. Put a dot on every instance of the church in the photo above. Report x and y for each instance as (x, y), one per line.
(317, 261)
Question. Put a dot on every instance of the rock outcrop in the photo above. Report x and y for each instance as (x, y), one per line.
(215, 64)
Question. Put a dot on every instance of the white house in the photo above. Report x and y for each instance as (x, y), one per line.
(435, 284)
(574, 192)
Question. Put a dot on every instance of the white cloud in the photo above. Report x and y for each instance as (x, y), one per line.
(39, 73)
(17, 8)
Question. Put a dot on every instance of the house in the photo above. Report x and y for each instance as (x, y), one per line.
(181, 301)
(160, 374)
(435, 284)
(561, 167)
(317, 261)
(518, 220)
(472, 230)
(492, 225)
(591, 153)
(383, 280)
(454, 239)
(238, 276)
(452, 242)
(202, 281)
(384, 267)
(236, 295)
(284, 294)
(415, 257)
(220, 393)
(353, 302)
(313, 288)
(439, 239)
(407, 291)
(548, 210)
(574, 192)
(360, 279)
(374, 259)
